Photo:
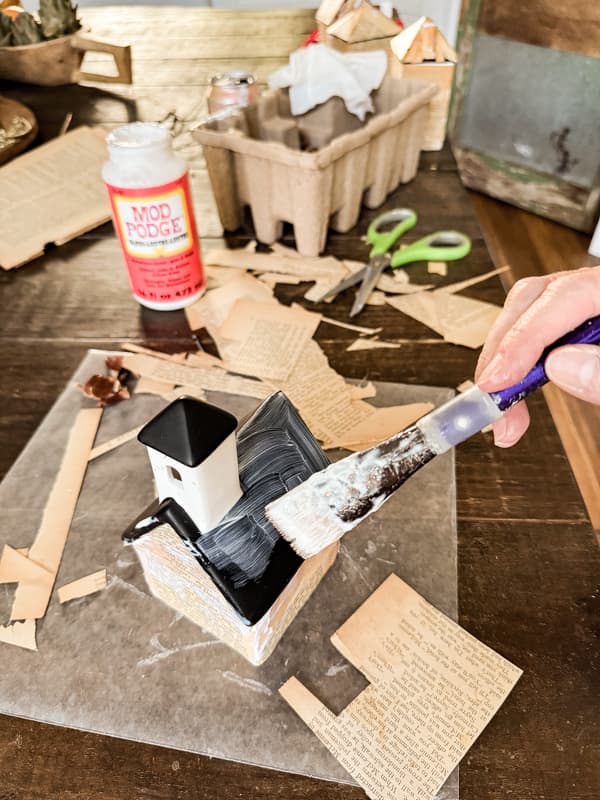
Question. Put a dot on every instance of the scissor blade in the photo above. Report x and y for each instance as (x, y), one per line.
(372, 272)
(344, 284)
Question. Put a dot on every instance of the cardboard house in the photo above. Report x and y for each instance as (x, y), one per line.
(354, 25)
(205, 545)
(421, 51)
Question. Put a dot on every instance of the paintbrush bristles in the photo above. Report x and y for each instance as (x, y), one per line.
(334, 501)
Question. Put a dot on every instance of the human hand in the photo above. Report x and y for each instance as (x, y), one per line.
(538, 311)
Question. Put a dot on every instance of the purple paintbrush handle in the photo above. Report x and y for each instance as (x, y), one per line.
(587, 333)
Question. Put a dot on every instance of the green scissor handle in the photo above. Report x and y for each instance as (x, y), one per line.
(383, 241)
(439, 246)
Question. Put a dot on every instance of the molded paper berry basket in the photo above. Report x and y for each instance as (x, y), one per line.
(254, 158)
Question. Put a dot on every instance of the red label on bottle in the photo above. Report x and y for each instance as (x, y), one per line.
(157, 231)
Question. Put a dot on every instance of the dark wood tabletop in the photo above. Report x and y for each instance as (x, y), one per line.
(529, 566)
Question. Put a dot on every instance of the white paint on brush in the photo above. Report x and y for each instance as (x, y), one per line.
(332, 502)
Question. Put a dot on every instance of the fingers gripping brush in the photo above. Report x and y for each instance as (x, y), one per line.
(334, 501)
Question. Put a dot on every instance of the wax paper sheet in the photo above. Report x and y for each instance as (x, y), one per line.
(122, 663)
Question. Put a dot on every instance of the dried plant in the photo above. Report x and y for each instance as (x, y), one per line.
(58, 18)
(5, 30)
(25, 30)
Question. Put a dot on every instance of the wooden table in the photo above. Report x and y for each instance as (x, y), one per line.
(529, 568)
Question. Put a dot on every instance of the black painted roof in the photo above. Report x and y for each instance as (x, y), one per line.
(188, 430)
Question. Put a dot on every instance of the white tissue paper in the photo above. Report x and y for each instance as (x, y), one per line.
(316, 73)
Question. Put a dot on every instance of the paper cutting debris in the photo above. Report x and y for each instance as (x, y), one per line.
(433, 689)
(82, 587)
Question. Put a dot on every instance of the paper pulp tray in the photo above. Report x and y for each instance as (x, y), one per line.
(313, 170)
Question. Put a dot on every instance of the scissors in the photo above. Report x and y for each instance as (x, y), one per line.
(438, 246)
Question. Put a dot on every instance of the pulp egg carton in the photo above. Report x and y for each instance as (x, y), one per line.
(314, 170)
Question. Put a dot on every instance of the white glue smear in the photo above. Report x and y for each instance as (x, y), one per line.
(150, 660)
(334, 669)
(114, 580)
(247, 683)
(360, 573)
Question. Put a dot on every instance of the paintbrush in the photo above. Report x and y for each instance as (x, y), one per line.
(334, 501)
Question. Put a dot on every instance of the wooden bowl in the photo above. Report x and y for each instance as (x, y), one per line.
(8, 110)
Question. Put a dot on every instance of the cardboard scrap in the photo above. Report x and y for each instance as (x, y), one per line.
(383, 423)
(265, 339)
(433, 689)
(371, 344)
(437, 268)
(20, 634)
(32, 598)
(82, 587)
(113, 443)
(52, 194)
(16, 567)
(460, 320)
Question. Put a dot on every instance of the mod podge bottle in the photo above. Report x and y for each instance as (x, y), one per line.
(153, 216)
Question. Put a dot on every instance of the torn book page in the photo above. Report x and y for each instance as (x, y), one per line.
(371, 344)
(379, 426)
(50, 540)
(131, 347)
(219, 276)
(213, 308)
(433, 689)
(215, 380)
(271, 279)
(20, 634)
(82, 587)
(202, 360)
(322, 396)
(362, 391)
(389, 285)
(307, 269)
(265, 339)
(350, 327)
(460, 320)
(150, 386)
(452, 288)
(53, 193)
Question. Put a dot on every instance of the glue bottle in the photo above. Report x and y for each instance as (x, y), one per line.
(153, 216)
